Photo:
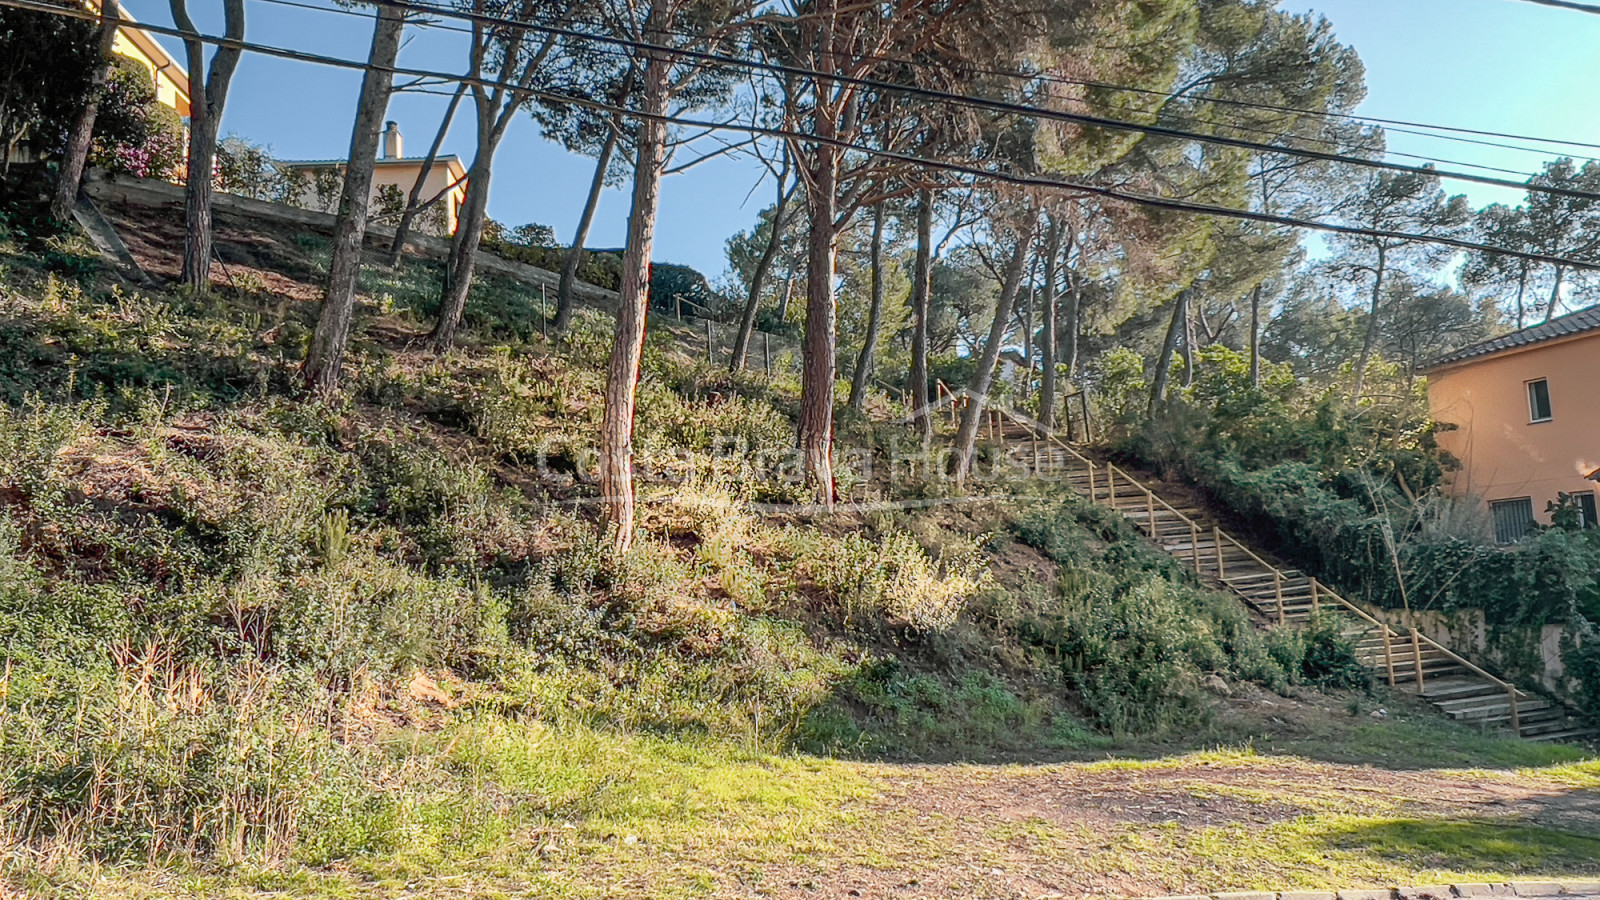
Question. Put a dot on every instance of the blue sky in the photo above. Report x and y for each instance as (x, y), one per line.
(1497, 65)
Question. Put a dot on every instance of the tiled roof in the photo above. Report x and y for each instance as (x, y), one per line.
(1562, 326)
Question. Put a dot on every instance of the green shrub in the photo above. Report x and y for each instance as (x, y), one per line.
(150, 759)
(1127, 630)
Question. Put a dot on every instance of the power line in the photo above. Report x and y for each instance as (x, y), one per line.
(1397, 126)
(1061, 79)
(1193, 120)
(1048, 77)
(1568, 4)
(991, 105)
(1051, 183)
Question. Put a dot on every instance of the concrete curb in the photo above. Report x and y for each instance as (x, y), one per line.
(1474, 890)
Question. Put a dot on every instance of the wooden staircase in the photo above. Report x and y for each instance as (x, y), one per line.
(1286, 596)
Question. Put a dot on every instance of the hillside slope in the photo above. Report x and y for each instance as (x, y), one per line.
(371, 646)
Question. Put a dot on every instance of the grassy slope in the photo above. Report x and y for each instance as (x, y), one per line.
(199, 561)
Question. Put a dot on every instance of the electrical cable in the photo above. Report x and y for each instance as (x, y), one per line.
(1052, 183)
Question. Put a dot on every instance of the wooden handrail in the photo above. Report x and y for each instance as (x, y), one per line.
(1319, 589)
(1455, 657)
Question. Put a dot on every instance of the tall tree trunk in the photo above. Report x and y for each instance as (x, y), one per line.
(1522, 287)
(758, 278)
(208, 95)
(921, 300)
(819, 350)
(1371, 337)
(633, 304)
(567, 291)
(1047, 360)
(326, 355)
(1255, 337)
(1188, 348)
(77, 151)
(1555, 294)
(978, 387)
(1169, 346)
(1070, 318)
(402, 230)
(464, 249)
(788, 294)
(869, 346)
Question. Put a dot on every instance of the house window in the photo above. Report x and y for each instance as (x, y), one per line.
(1586, 509)
(1539, 401)
(1512, 519)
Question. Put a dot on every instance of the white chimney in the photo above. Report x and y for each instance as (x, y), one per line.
(391, 141)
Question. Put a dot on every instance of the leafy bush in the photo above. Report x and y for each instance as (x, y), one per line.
(894, 578)
(148, 758)
(1126, 629)
(134, 132)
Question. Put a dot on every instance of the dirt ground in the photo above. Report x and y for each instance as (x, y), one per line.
(1076, 830)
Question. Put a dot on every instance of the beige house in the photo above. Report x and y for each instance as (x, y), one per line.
(1526, 411)
(392, 181)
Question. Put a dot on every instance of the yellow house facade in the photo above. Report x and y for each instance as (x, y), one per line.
(170, 77)
(1526, 414)
(392, 180)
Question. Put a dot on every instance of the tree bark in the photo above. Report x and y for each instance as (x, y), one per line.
(495, 110)
(1371, 337)
(1070, 322)
(820, 347)
(208, 95)
(1555, 294)
(788, 294)
(921, 301)
(758, 278)
(566, 292)
(978, 387)
(1255, 337)
(1522, 287)
(1169, 346)
(464, 249)
(1188, 348)
(1047, 355)
(869, 346)
(414, 204)
(77, 151)
(326, 355)
(627, 348)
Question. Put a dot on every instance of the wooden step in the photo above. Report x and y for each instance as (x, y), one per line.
(1569, 736)
(1286, 595)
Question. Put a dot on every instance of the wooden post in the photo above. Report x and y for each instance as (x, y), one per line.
(1516, 719)
(1416, 657)
(1092, 492)
(1035, 443)
(1216, 540)
(766, 351)
(1388, 654)
(544, 318)
(1313, 596)
(1277, 585)
(1194, 545)
(1111, 486)
(708, 341)
(1150, 512)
